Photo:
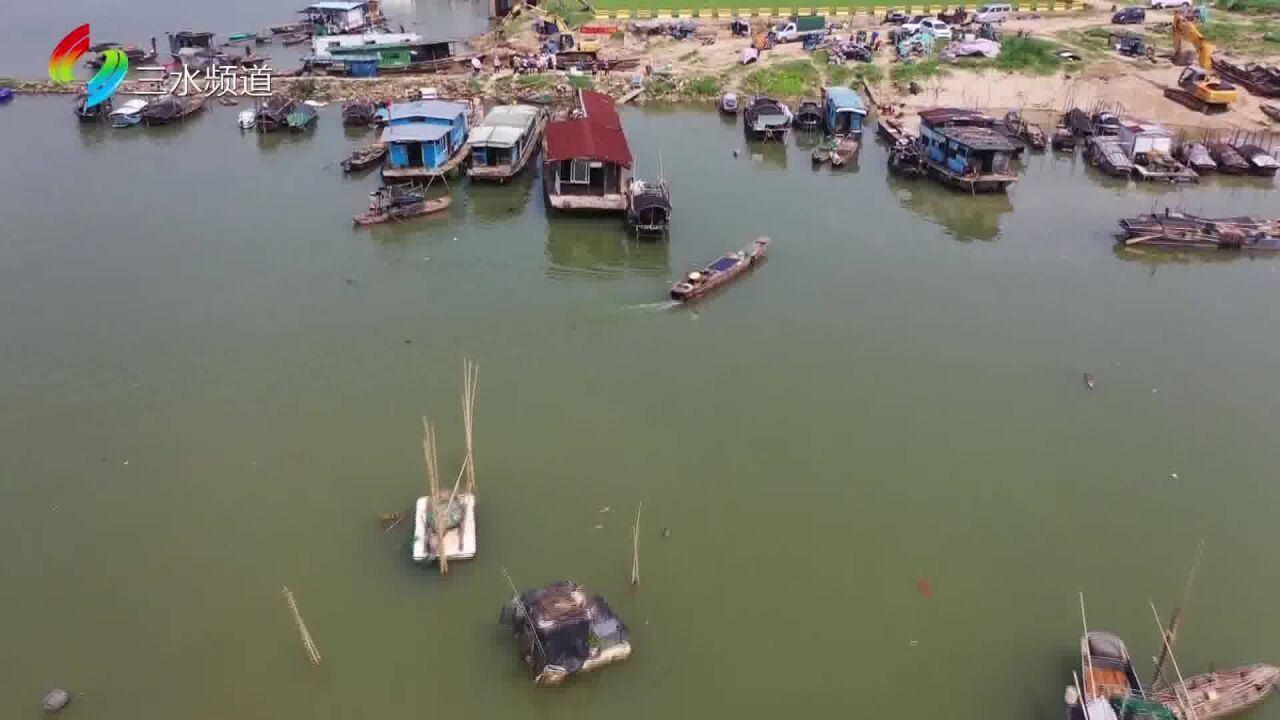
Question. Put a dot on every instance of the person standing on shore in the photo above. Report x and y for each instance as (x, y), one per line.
(475, 67)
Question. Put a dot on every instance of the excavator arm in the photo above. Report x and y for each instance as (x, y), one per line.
(1184, 28)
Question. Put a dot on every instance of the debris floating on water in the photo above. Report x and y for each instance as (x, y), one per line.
(604, 509)
(1089, 381)
(55, 700)
(924, 587)
(666, 532)
(1173, 476)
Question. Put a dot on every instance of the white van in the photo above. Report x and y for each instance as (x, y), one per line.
(993, 13)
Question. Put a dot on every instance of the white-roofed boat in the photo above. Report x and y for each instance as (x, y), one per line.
(505, 141)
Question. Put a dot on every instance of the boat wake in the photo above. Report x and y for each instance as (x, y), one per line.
(652, 307)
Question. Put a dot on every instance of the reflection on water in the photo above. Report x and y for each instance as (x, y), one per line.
(965, 217)
(601, 247)
(1156, 257)
(500, 202)
(768, 155)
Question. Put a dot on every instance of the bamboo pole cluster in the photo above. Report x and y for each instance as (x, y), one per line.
(438, 514)
(635, 548)
(313, 653)
(470, 380)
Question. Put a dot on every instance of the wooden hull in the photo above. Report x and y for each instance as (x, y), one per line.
(976, 184)
(687, 290)
(403, 213)
(363, 160)
(1217, 695)
(409, 173)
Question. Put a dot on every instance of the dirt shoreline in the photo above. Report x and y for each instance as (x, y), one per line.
(1105, 79)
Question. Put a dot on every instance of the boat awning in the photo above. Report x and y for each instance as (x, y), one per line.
(845, 100)
(414, 132)
(978, 138)
(335, 5)
(724, 263)
(517, 116)
(131, 107)
(501, 136)
(435, 109)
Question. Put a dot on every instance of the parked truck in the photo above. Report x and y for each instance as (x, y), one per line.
(796, 28)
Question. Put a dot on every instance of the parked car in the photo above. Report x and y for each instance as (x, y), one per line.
(1129, 16)
(913, 25)
(1165, 4)
(895, 17)
(936, 27)
(993, 13)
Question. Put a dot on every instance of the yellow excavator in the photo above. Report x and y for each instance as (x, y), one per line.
(1198, 88)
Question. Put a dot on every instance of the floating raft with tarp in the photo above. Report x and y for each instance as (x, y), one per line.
(563, 629)
(1174, 229)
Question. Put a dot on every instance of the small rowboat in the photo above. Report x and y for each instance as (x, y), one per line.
(364, 158)
(724, 269)
(1216, 695)
(392, 204)
(845, 150)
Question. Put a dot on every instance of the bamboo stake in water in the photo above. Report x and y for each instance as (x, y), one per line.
(433, 491)
(308, 644)
(635, 548)
(1171, 633)
(1088, 654)
(470, 378)
(1184, 698)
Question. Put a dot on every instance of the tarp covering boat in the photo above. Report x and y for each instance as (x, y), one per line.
(563, 629)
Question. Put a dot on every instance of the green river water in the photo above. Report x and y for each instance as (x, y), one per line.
(211, 384)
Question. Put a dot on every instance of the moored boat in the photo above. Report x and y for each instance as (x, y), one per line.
(905, 160)
(128, 114)
(393, 203)
(364, 158)
(1182, 230)
(273, 112)
(505, 141)
(1227, 158)
(1106, 673)
(1220, 694)
(648, 206)
(246, 119)
(1260, 161)
(1107, 154)
(721, 271)
(845, 151)
(729, 103)
(359, 113)
(302, 118)
(766, 119)
(1063, 139)
(97, 113)
(1195, 156)
(170, 109)
(563, 629)
(808, 115)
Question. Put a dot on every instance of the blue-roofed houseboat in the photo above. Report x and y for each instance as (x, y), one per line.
(843, 111)
(963, 149)
(425, 139)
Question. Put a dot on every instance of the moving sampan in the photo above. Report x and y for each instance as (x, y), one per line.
(725, 268)
(394, 203)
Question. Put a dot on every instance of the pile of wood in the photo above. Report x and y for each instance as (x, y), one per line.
(1176, 229)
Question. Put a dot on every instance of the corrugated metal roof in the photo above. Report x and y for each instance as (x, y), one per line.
(343, 5)
(600, 109)
(438, 109)
(845, 99)
(414, 132)
(954, 116)
(495, 135)
(598, 136)
(520, 116)
(978, 138)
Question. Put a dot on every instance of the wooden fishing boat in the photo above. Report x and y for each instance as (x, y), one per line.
(891, 130)
(394, 203)
(359, 113)
(1181, 230)
(563, 629)
(729, 103)
(294, 38)
(808, 115)
(1227, 158)
(723, 270)
(648, 206)
(822, 153)
(1216, 695)
(505, 141)
(905, 160)
(302, 118)
(1034, 136)
(1105, 667)
(97, 113)
(128, 114)
(1195, 156)
(364, 158)
(273, 112)
(1260, 161)
(766, 119)
(1106, 154)
(1064, 139)
(845, 151)
(1272, 111)
(170, 109)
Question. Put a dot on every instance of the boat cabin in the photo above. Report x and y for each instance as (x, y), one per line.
(180, 41)
(334, 17)
(963, 149)
(403, 57)
(586, 159)
(843, 111)
(1144, 137)
(321, 45)
(423, 137)
(505, 139)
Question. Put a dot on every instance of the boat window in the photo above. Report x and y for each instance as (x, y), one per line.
(580, 171)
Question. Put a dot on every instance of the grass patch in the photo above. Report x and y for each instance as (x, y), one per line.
(571, 10)
(1271, 37)
(535, 82)
(1223, 32)
(581, 82)
(704, 86)
(821, 57)
(854, 74)
(1250, 6)
(1032, 56)
(793, 79)
(917, 71)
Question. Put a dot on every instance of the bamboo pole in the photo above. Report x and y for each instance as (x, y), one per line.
(1183, 697)
(313, 653)
(1088, 654)
(470, 379)
(1084, 704)
(439, 515)
(635, 548)
(1171, 634)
